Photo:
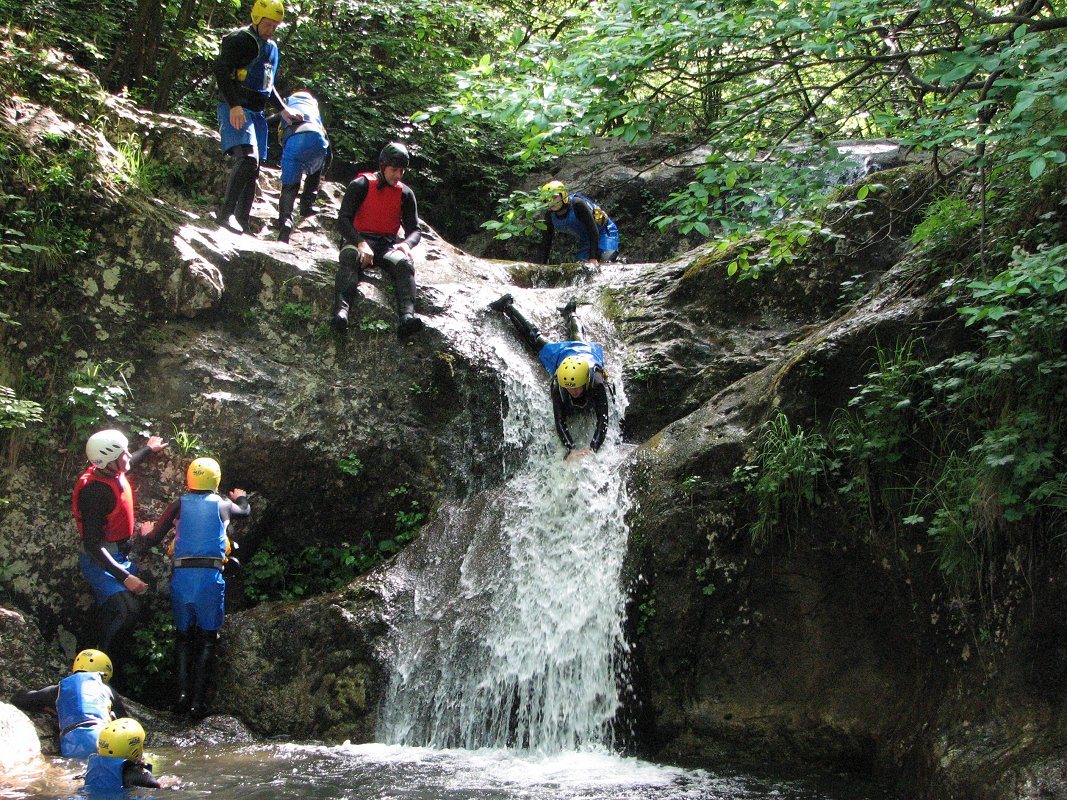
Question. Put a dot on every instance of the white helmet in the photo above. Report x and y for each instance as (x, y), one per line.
(104, 447)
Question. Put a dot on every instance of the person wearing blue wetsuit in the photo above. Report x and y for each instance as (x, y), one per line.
(118, 761)
(83, 703)
(578, 216)
(197, 587)
(578, 380)
(304, 152)
(245, 72)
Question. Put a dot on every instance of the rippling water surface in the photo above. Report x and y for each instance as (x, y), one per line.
(389, 772)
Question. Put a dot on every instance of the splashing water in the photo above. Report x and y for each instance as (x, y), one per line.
(514, 635)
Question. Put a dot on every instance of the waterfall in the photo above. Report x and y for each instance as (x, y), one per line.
(513, 634)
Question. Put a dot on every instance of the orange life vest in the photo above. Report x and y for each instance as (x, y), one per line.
(380, 211)
(119, 523)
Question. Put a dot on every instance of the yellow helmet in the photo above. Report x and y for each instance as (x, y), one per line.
(204, 473)
(93, 661)
(121, 738)
(574, 372)
(552, 188)
(271, 9)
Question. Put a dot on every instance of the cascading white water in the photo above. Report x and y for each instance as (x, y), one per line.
(514, 637)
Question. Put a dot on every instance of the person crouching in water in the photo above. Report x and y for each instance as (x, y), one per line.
(197, 587)
(118, 762)
(577, 368)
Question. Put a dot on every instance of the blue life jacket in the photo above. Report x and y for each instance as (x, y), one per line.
(553, 353)
(201, 530)
(83, 697)
(104, 774)
(259, 75)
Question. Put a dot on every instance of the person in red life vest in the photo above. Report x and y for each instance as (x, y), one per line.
(375, 208)
(103, 506)
(200, 550)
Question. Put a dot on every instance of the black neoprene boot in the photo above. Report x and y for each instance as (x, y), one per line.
(183, 661)
(285, 210)
(345, 287)
(242, 172)
(502, 302)
(310, 194)
(205, 660)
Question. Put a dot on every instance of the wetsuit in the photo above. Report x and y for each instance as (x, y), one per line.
(103, 512)
(245, 71)
(372, 211)
(579, 218)
(110, 774)
(83, 703)
(197, 588)
(551, 355)
(304, 152)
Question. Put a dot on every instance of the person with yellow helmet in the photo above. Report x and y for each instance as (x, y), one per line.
(576, 215)
(578, 380)
(376, 208)
(245, 71)
(118, 762)
(200, 552)
(103, 506)
(83, 703)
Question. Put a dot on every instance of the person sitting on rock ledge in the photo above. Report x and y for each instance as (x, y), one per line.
(375, 207)
(579, 382)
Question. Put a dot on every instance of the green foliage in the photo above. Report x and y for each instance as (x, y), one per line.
(15, 413)
(278, 572)
(294, 315)
(521, 214)
(371, 325)
(350, 465)
(785, 478)
(189, 444)
(100, 397)
(946, 224)
(707, 588)
(646, 611)
(153, 654)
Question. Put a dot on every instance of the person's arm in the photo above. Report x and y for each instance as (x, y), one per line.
(599, 392)
(38, 700)
(237, 505)
(546, 238)
(162, 527)
(409, 218)
(355, 194)
(118, 708)
(138, 773)
(560, 416)
(583, 212)
(237, 50)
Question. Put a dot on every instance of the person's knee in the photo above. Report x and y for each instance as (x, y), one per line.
(398, 264)
(348, 258)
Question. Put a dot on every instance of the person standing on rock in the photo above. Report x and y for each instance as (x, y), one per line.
(578, 216)
(103, 505)
(579, 381)
(245, 71)
(305, 149)
(200, 551)
(376, 206)
(83, 703)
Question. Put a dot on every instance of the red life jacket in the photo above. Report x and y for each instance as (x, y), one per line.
(119, 523)
(380, 211)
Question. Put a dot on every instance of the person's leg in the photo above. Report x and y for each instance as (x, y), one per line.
(348, 274)
(402, 271)
(528, 332)
(285, 209)
(310, 193)
(183, 664)
(575, 329)
(205, 659)
(244, 169)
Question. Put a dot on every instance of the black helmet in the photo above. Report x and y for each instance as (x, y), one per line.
(394, 154)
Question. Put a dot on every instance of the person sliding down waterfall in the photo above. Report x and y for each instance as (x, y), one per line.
(579, 382)
(375, 207)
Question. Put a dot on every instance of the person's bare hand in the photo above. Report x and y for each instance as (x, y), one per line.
(135, 584)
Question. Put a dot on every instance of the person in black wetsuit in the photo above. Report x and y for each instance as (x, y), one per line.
(376, 206)
(245, 72)
(103, 506)
(579, 382)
